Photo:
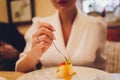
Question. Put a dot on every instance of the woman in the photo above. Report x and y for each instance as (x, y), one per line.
(78, 36)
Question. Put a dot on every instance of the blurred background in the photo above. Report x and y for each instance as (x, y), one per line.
(21, 12)
(109, 9)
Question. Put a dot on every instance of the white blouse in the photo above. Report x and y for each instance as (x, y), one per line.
(85, 45)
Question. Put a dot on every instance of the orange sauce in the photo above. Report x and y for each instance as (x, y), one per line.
(67, 75)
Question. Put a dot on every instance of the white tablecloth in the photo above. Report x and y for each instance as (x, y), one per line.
(116, 76)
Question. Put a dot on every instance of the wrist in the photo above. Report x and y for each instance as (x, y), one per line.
(34, 61)
(38, 65)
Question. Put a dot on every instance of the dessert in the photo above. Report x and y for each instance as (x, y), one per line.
(65, 70)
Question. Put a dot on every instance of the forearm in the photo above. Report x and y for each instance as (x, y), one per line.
(27, 64)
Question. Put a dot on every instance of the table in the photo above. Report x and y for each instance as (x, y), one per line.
(82, 73)
(14, 75)
(10, 75)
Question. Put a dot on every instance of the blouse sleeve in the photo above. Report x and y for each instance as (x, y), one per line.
(28, 37)
(100, 60)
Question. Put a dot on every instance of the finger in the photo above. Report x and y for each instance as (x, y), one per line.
(41, 38)
(46, 25)
(46, 31)
(43, 31)
(45, 38)
(41, 47)
(44, 45)
(35, 41)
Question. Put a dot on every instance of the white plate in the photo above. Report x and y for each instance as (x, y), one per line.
(83, 73)
(2, 78)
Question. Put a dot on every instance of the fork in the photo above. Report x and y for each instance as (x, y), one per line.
(60, 52)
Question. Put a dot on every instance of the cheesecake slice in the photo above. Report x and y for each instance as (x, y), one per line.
(65, 71)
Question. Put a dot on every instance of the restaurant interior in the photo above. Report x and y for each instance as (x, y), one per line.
(21, 12)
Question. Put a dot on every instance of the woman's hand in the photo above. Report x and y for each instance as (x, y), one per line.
(42, 39)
